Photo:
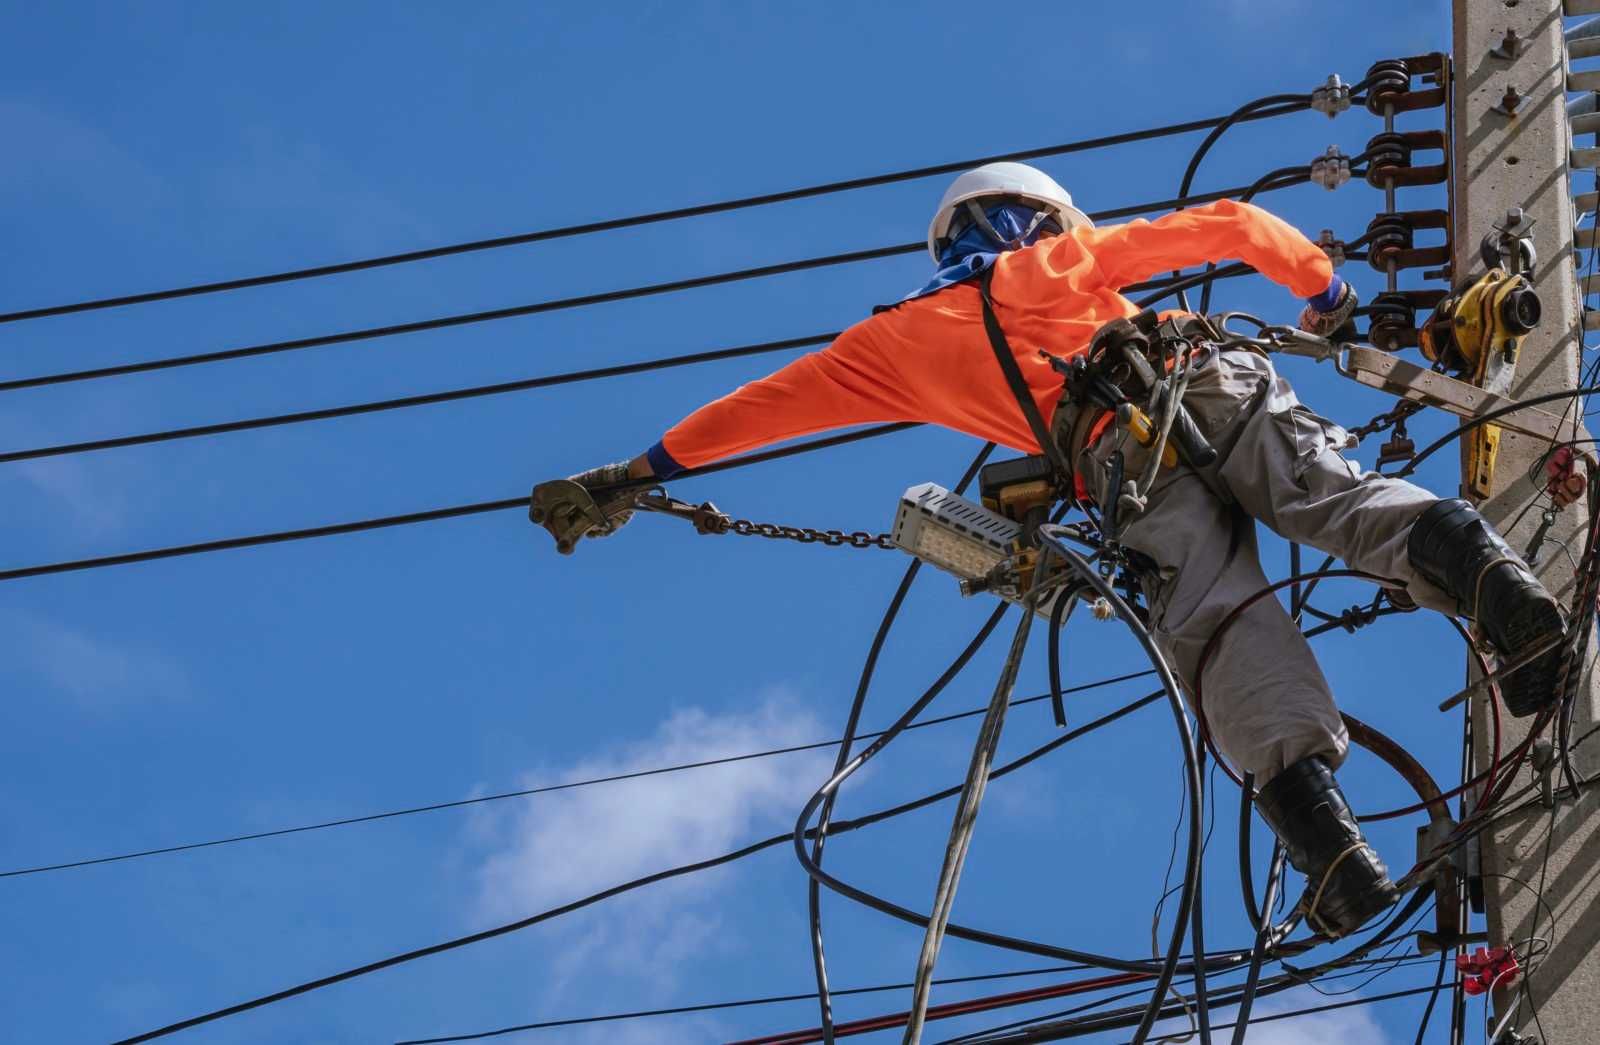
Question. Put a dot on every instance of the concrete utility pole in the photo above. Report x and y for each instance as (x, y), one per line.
(1513, 148)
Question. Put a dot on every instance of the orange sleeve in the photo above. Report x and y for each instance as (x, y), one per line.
(1220, 231)
(852, 381)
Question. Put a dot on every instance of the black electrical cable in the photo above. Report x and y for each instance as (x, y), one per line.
(1206, 277)
(1299, 102)
(1127, 1017)
(1438, 985)
(423, 399)
(1247, 885)
(461, 941)
(460, 319)
(527, 792)
(631, 221)
(1261, 184)
(515, 311)
(1486, 418)
(1167, 967)
(1202, 1004)
(852, 723)
(1264, 939)
(994, 939)
(1240, 1024)
(1180, 284)
(1298, 172)
(445, 396)
(979, 1036)
(1065, 599)
(1182, 919)
(976, 935)
(742, 1003)
(838, 827)
(411, 518)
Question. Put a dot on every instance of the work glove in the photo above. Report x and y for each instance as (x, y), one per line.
(616, 506)
(1331, 310)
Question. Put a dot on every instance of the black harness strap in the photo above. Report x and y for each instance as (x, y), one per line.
(1019, 387)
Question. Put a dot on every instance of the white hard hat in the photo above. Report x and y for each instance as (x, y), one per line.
(1016, 180)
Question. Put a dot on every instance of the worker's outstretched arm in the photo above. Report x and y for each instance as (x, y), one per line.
(1220, 231)
(850, 382)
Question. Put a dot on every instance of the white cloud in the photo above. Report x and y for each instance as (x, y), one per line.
(562, 846)
(94, 673)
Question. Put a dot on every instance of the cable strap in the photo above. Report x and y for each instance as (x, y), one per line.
(1016, 382)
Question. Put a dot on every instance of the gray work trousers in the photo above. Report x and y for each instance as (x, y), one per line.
(1266, 701)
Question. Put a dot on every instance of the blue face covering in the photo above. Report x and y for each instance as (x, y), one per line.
(974, 250)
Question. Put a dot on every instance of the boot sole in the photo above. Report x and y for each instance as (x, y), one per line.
(1532, 688)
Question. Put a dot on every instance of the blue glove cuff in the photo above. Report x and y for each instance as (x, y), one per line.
(1328, 300)
(661, 462)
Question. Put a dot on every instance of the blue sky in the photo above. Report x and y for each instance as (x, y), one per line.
(175, 701)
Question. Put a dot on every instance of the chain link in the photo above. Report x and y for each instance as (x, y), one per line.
(1403, 408)
(809, 535)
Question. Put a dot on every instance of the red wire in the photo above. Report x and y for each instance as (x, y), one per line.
(960, 1008)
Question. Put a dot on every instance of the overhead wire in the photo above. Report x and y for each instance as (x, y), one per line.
(838, 827)
(421, 399)
(632, 221)
(1199, 965)
(1243, 112)
(739, 1004)
(1176, 1036)
(1127, 1016)
(427, 515)
(852, 723)
(512, 311)
(531, 791)
(447, 395)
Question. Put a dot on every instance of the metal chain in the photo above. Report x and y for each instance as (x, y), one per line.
(809, 535)
(1403, 408)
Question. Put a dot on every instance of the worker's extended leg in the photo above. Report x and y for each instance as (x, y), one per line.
(1266, 702)
(1284, 467)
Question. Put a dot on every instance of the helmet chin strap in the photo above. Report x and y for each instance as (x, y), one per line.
(980, 219)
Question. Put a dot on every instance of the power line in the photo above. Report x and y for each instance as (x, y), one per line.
(477, 391)
(459, 319)
(547, 789)
(537, 307)
(423, 399)
(837, 827)
(1312, 1010)
(412, 518)
(743, 1003)
(633, 221)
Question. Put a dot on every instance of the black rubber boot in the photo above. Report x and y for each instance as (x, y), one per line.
(1346, 883)
(1456, 548)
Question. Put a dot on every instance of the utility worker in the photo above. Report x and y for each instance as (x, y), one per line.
(1008, 230)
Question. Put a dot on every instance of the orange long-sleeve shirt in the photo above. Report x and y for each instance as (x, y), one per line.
(929, 360)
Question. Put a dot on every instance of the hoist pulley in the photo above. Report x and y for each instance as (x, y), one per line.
(1477, 332)
(1489, 318)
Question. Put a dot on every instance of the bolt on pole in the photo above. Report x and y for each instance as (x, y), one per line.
(1512, 148)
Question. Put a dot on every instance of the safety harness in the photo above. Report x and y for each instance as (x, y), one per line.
(1127, 376)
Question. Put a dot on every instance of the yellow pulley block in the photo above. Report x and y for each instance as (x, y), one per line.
(1477, 333)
